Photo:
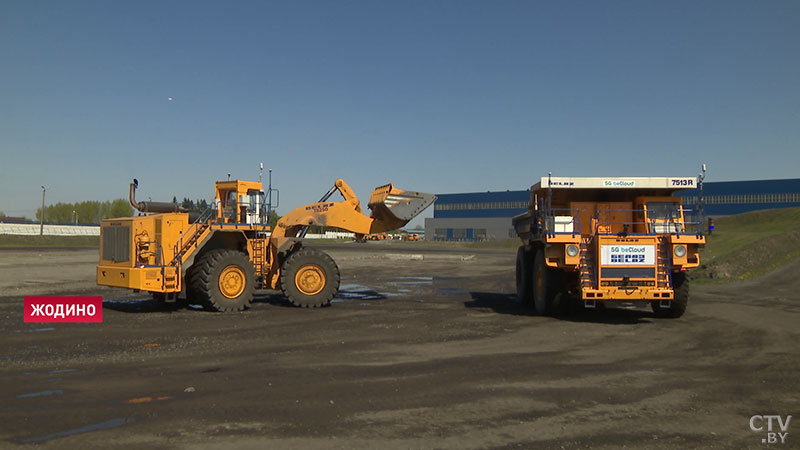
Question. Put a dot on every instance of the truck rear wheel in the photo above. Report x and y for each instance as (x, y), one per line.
(543, 289)
(680, 286)
(309, 278)
(523, 276)
(223, 280)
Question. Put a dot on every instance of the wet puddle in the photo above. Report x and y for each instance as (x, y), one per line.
(126, 302)
(113, 423)
(41, 394)
(402, 286)
(357, 292)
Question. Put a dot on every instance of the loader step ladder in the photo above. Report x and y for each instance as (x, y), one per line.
(170, 281)
(259, 256)
(587, 263)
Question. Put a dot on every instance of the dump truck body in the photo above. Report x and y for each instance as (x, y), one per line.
(221, 256)
(602, 240)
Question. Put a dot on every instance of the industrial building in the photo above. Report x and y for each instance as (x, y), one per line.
(477, 216)
(725, 198)
(480, 216)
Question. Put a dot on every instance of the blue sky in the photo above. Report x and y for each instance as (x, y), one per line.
(436, 96)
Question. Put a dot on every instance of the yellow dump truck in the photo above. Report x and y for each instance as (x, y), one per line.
(220, 257)
(594, 241)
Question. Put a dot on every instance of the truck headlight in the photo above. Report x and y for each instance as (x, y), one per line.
(680, 251)
(572, 250)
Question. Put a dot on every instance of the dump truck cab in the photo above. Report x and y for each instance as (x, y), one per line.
(595, 241)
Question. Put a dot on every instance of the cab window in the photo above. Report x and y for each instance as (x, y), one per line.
(663, 211)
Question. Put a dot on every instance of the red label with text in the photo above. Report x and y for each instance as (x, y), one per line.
(63, 309)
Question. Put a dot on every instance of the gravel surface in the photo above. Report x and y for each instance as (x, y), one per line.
(424, 347)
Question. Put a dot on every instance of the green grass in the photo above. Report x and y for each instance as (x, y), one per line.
(13, 240)
(748, 245)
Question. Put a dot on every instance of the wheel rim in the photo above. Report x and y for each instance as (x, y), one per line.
(232, 281)
(310, 280)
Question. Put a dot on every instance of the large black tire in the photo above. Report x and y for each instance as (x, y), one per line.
(543, 288)
(523, 276)
(680, 286)
(309, 278)
(562, 302)
(223, 280)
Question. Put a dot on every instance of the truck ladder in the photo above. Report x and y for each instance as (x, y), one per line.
(587, 263)
(662, 265)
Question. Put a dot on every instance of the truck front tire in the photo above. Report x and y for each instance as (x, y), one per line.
(543, 289)
(680, 287)
(523, 276)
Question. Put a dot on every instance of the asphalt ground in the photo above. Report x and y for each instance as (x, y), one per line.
(424, 347)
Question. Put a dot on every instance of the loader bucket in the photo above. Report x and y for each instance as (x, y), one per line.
(393, 208)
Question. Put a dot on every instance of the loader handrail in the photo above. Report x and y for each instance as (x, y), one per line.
(190, 233)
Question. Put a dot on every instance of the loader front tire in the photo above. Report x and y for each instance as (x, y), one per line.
(309, 278)
(523, 276)
(223, 280)
(680, 287)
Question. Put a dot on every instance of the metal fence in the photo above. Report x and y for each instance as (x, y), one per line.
(49, 230)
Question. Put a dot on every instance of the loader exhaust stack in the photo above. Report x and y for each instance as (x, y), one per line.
(152, 207)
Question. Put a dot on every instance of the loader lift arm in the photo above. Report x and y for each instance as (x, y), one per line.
(391, 208)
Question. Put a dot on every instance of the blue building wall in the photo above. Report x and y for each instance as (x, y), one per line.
(481, 204)
(723, 198)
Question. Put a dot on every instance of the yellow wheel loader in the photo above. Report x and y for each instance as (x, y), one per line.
(221, 256)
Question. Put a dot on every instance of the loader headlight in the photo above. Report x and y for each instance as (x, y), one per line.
(680, 251)
(572, 250)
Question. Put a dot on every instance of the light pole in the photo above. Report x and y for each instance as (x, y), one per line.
(41, 217)
(76, 216)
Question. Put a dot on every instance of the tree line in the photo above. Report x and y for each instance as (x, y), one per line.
(92, 212)
(86, 212)
(201, 205)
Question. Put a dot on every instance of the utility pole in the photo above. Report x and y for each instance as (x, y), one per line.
(41, 217)
(269, 196)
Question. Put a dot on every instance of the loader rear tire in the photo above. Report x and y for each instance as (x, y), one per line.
(680, 286)
(523, 276)
(223, 280)
(543, 289)
(309, 278)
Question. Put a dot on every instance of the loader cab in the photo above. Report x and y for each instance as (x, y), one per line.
(240, 202)
(659, 215)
